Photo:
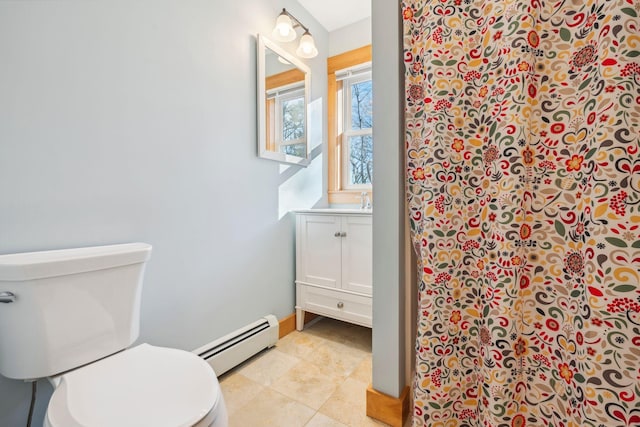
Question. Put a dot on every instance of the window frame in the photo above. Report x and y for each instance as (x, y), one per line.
(337, 191)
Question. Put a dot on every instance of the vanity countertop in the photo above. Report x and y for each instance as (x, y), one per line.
(335, 211)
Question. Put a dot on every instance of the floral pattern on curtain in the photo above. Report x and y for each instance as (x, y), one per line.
(523, 181)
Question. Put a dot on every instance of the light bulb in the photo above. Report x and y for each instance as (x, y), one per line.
(283, 31)
(307, 47)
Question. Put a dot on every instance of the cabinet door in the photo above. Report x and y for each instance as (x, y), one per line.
(357, 254)
(318, 250)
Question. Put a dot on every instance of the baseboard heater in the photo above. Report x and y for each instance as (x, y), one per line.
(233, 349)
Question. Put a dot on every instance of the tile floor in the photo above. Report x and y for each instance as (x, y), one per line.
(314, 378)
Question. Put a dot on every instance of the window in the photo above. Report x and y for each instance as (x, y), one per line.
(285, 116)
(285, 113)
(357, 128)
(350, 135)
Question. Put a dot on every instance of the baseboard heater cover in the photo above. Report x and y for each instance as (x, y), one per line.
(231, 350)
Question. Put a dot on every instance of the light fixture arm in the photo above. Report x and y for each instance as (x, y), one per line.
(294, 19)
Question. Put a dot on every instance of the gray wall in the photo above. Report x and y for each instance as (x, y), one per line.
(350, 37)
(389, 308)
(130, 121)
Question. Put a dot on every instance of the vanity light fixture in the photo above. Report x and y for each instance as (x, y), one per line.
(284, 31)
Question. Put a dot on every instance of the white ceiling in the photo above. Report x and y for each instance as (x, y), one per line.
(334, 14)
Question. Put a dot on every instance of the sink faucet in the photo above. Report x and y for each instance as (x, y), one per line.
(365, 200)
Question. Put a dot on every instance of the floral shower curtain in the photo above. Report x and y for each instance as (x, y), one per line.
(523, 180)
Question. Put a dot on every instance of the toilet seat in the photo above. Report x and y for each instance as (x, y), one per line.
(141, 386)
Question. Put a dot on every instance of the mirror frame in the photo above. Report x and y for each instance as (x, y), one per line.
(262, 44)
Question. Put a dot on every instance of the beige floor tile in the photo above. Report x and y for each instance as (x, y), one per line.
(271, 409)
(308, 384)
(300, 344)
(320, 420)
(268, 366)
(363, 371)
(339, 359)
(348, 405)
(341, 332)
(238, 390)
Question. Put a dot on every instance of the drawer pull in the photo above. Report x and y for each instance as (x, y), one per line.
(336, 234)
(340, 304)
(343, 234)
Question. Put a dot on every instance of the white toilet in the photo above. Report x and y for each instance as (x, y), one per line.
(70, 316)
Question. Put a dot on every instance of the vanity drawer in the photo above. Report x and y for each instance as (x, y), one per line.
(336, 304)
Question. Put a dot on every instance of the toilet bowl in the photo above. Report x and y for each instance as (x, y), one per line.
(141, 386)
(79, 313)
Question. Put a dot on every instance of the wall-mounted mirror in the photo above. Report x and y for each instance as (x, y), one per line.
(283, 97)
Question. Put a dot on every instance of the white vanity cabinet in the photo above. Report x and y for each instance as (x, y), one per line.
(334, 265)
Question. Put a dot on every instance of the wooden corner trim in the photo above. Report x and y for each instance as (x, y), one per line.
(287, 324)
(390, 410)
(349, 59)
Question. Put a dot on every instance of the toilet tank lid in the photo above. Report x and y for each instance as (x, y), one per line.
(38, 265)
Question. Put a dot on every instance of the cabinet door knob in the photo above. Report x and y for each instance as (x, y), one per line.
(336, 234)
(343, 234)
(340, 304)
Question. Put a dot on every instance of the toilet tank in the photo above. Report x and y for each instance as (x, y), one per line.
(71, 307)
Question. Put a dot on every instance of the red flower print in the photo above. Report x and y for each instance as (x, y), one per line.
(497, 35)
(590, 20)
(520, 347)
(574, 263)
(455, 317)
(618, 203)
(457, 145)
(485, 335)
(443, 278)
(565, 372)
(416, 92)
(527, 156)
(435, 377)
(622, 305)
(542, 359)
(591, 351)
(547, 164)
(518, 421)
(472, 75)
(525, 231)
(492, 216)
(596, 321)
(437, 35)
(556, 128)
(583, 57)
(440, 204)
(574, 163)
(491, 154)
(553, 324)
(524, 66)
(467, 413)
(630, 69)
(524, 282)
(407, 14)
(442, 104)
(418, 174)
(533, 38)
(470, 244)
